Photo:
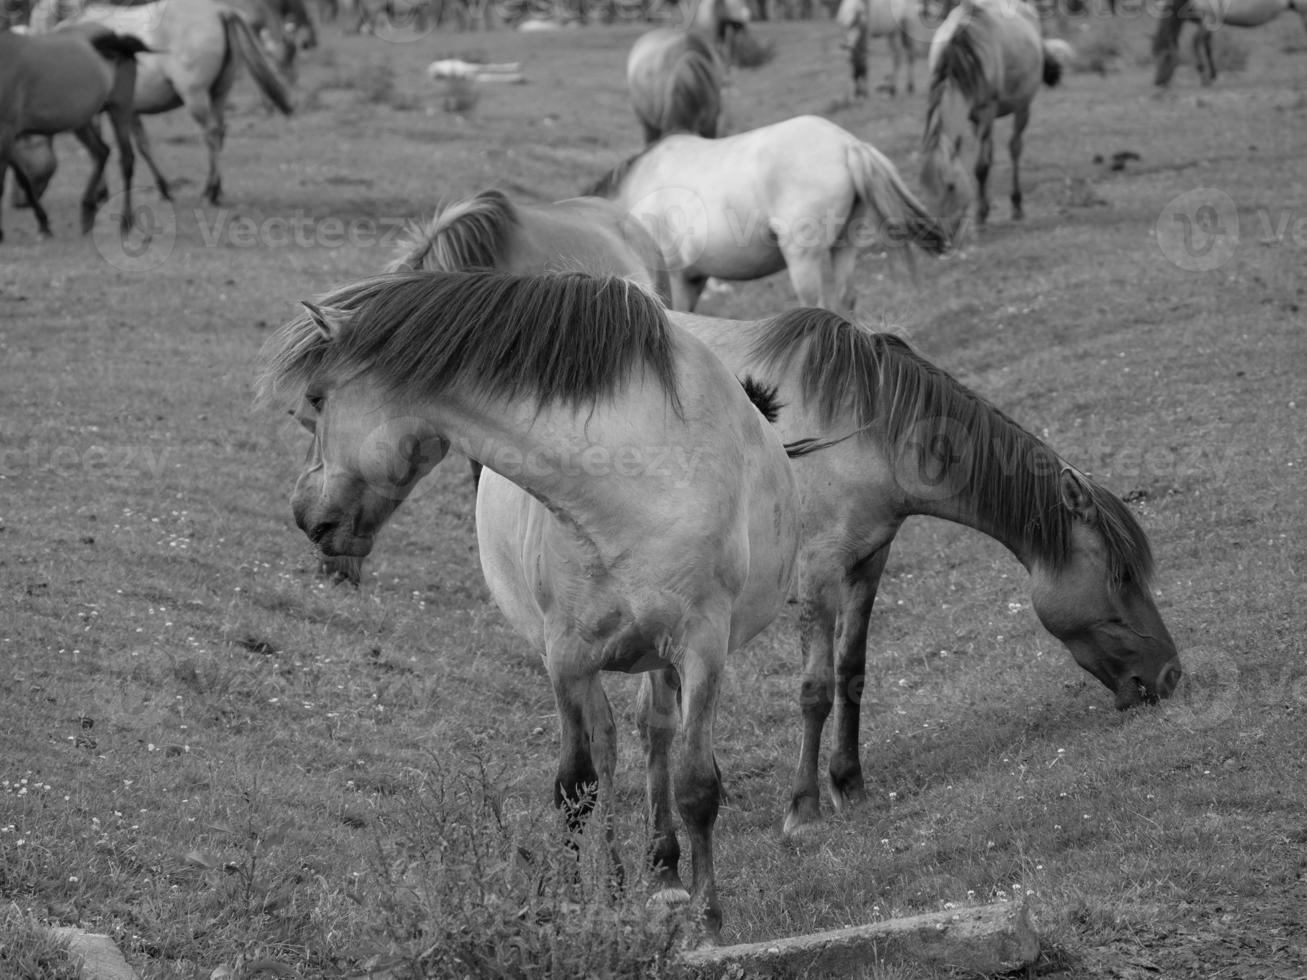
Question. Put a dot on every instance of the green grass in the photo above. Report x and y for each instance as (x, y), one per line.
(247, 766)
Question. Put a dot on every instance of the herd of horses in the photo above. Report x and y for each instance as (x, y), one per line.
(653, 484)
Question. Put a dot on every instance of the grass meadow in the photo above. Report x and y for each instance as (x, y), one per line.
(224, 762)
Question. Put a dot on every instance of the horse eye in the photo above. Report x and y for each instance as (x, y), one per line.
(315, 402)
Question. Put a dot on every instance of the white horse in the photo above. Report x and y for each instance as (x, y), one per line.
(803, 195)
(196, 48)
(898, 20)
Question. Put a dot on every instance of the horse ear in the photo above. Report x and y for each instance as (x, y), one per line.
(1077, 497)
(327, 321)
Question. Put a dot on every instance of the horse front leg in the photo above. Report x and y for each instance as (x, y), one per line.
(1019, 121)
(577, 781)
(984, 158)
(1203, 55)
(698, 780)
(816, 632)
(89, 136)
(846, 782)
(603, 750)
(657, 718)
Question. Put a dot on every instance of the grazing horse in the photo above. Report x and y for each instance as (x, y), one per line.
(802, 195)
(198, 47)
(897, 20)
(675, 75)
(59, 82)
(639, 514)
(916, 442)
(490, 231)
(1208, 15)
(986, 62)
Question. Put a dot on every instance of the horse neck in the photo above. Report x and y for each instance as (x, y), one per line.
(1020, 469)
(948, 114)
(585, 464)
(703, 17)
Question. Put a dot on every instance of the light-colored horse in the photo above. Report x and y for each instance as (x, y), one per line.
(918, 443)
(491, 231)
(675, 75)
(1209, 15)
(898, 20)
(803, 195)
(987, 61)
(199, 45)
(61, 82)
(639, 514)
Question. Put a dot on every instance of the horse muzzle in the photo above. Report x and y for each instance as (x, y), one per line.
(1132, 689)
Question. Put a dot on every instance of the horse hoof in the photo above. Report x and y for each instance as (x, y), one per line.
(667, 900)
(846, 799)
(801, 822)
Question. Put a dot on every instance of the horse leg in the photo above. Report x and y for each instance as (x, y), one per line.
(1203, 55)
(698, 780)
(142, 142)
(816, 632)
(1020, 119)
(120, 118)
(984, 158)
(861, 584)
(657, 719)
(909, 52)
(686, 290)
(896, 59)
(577, 781)
(24, 183)
(810, 273)
(89, 136)
(603, 746)
(208, 116)
(843, 259)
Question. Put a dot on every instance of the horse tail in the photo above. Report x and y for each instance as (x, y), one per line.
(1057, 56)
(902, 218)
(241, 40)
(692, 95)
(119, 47)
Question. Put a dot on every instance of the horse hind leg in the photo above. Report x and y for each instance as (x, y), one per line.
(89, 136)
(121, 121)
(1019, 121)
(20, 175)
(810, 274)
(142, 142)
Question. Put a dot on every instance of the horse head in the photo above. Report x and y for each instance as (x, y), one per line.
(368, 454)
(948, 164)
(1097, 600)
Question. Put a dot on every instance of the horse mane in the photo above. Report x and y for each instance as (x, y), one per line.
(611, 182)
(469, 234)
(961, 65)
(570, 339)
(888, 388)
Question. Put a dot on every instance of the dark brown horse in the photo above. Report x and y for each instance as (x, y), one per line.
(61, 82)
